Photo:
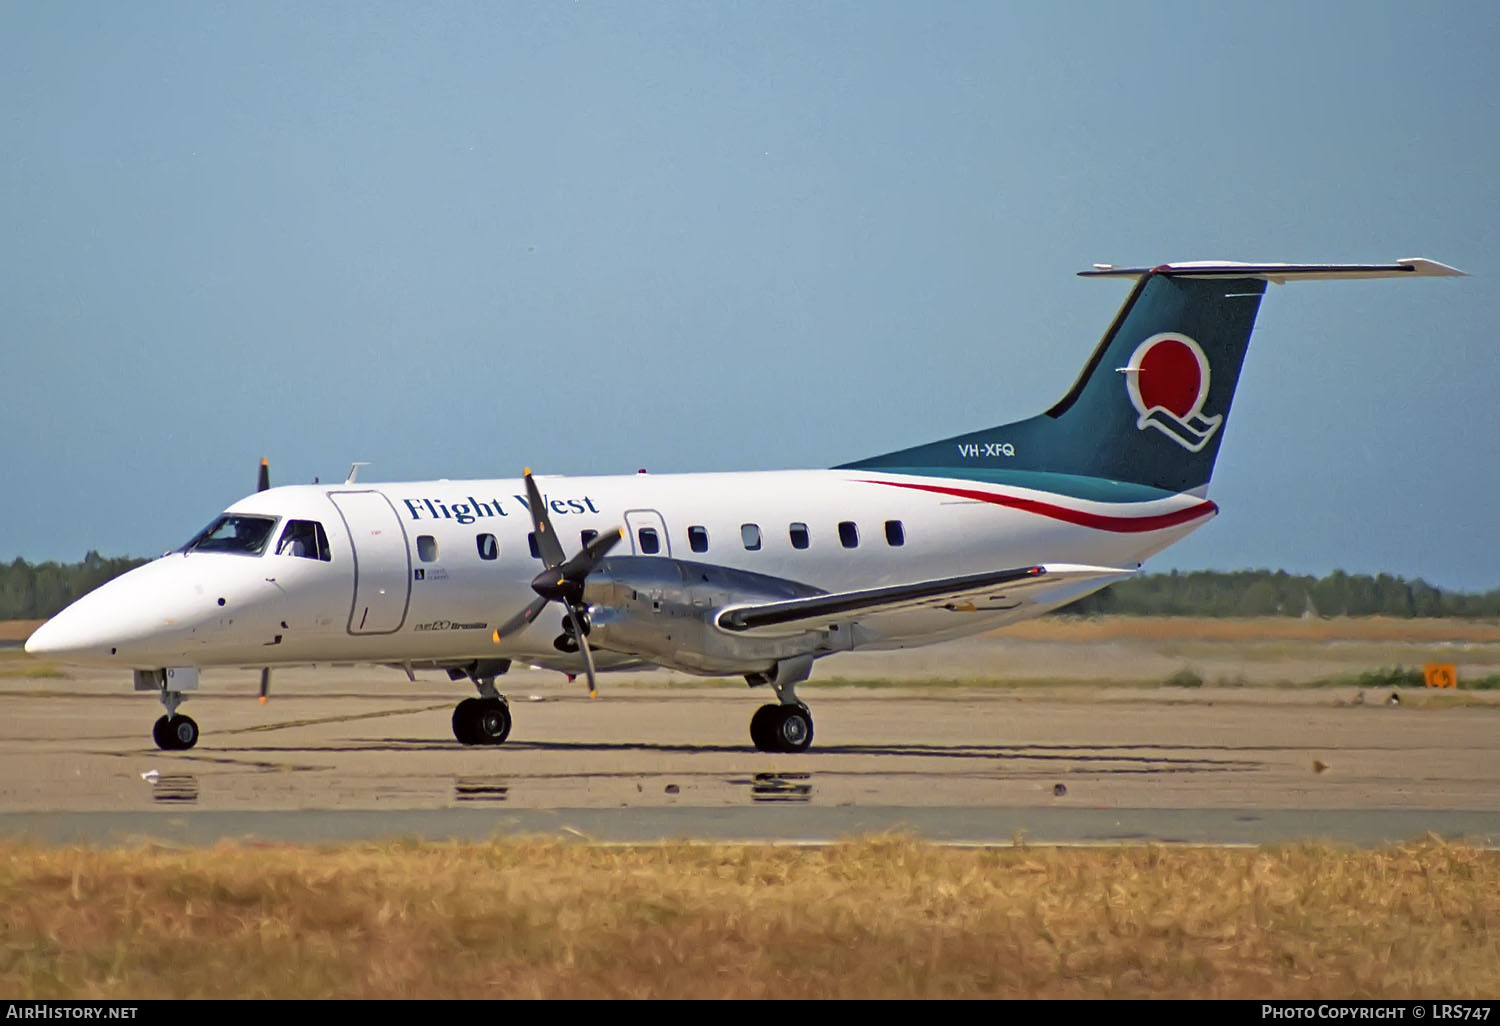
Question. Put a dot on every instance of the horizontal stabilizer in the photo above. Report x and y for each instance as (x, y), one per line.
(1280, 274)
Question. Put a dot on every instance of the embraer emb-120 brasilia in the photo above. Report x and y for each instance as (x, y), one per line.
(753, 574)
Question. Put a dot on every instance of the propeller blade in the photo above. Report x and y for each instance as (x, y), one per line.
(562, 579)
(546, 539)
(583, 646)
(265, 476)
(579, 566)
(520, 620)
(265, 684)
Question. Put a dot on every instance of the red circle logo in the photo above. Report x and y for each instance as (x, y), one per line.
(1167, 381)
(1169, 377)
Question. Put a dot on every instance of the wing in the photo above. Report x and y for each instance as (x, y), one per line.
(996, 588)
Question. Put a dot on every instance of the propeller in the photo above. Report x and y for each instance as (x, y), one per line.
(562, 579)
(261, 485)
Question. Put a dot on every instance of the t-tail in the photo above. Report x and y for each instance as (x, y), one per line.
(1147, 415)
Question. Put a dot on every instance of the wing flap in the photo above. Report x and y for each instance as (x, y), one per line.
(1018, 585)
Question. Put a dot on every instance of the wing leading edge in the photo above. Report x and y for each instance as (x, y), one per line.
(1020, 585)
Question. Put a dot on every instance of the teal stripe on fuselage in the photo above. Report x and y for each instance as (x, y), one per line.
(1093, 489)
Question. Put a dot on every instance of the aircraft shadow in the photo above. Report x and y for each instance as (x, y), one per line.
(1117, 755)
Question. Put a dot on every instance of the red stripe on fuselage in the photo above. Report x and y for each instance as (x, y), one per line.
(1098, 521)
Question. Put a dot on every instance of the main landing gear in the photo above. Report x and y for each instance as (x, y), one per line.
(788, 726)
(782, 728)
(484, 720)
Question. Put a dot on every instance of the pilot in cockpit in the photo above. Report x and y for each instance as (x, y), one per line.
(298, 540)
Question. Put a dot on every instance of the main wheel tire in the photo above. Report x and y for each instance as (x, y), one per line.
(762, 727)
(491, 723)
(175, 733)
(464, 717)
(792, 729)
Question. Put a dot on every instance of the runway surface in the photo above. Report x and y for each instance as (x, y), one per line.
(361, 753)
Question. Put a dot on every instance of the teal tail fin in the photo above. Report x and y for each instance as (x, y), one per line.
(1151, 405)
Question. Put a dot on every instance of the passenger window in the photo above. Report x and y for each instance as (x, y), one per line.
(426, 548)
(536, 553)
(848, 534)
(488, 549)
(698, 539)
(895, 534)
(303, 538)
(587, 536)
(650, 543)
(800, 537)
(750, 535)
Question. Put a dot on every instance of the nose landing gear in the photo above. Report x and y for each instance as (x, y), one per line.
(175, 733)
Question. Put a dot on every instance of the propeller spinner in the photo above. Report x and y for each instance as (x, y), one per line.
(562, 579)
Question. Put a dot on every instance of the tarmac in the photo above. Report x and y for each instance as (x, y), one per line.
(362, 754)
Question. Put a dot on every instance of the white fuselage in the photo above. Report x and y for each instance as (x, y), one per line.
(413, 577)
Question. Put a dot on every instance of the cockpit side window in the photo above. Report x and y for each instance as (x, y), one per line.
(234, 532)
(304, 538)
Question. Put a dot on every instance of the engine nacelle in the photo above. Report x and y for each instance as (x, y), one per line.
(663, 611)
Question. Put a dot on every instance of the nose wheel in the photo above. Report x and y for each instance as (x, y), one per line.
(175, 733)
(782, 728)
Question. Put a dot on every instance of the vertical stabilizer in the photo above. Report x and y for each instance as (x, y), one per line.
(1148, 412)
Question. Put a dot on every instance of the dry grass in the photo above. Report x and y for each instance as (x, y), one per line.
(887, 918)
(16, 663)
(14, 630)
(1086, 630)
(18, 630)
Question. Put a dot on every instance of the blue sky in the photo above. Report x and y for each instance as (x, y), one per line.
(458, 239)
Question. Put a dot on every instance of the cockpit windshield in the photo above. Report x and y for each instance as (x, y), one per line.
(234, 532)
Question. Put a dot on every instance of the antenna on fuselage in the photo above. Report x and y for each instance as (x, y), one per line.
(354, 470)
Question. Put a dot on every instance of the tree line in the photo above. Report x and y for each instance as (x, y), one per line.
(1278, 593)
(34, 591)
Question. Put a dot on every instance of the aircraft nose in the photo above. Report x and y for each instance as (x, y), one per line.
(62, 636)
(105, 626)
(37, 644)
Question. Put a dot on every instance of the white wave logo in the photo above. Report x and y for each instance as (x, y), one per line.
(1167, 379)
